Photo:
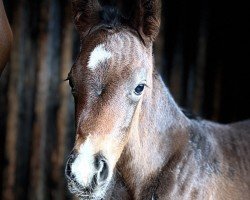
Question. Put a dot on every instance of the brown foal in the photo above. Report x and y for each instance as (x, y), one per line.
(132, 140)
(5, 38)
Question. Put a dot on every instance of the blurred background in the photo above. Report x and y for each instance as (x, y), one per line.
(202, 52)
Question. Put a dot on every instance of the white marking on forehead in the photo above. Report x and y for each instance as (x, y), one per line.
(99, 54)
(83, 166)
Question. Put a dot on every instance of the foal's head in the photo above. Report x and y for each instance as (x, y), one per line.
(109, 79)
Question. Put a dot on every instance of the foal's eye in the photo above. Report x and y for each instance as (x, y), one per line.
(139, 89)
(71, 83)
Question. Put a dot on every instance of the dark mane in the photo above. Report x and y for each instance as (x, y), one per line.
(111, 17)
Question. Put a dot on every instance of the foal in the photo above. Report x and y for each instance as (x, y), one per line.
(132, 140)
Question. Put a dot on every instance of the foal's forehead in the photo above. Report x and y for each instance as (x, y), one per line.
(122, 49)
(125, 42)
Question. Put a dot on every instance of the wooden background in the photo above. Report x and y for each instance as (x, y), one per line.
(202, 52)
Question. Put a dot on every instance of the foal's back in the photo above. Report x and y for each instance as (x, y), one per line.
(222, 154)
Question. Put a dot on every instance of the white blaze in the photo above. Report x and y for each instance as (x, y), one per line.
(99, 54)
(83, 166)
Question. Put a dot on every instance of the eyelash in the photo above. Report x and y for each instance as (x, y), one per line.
(70, 84)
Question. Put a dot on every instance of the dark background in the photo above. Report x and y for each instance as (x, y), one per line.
(202, 52)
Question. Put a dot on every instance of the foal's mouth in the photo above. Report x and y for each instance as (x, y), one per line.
(93, 192)
(95, 184)
(80, 191)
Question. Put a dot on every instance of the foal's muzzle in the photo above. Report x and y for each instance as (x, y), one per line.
(96, 176)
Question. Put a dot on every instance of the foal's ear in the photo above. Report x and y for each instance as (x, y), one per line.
(85, 15)
(147, 18)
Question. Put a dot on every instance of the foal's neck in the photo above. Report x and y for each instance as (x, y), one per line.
(158, 133)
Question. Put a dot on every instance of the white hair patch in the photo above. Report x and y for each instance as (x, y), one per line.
(98, 55)
(83, 166)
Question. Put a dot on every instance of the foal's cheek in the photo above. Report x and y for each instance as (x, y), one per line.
(127, 124)
(128, 117)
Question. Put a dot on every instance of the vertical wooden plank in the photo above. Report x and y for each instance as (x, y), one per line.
(217, 94)
(63, 115)
(159, 48)
(3, 118)
(190, 21)
(4, 87)
(170, 29)
(201, 60)
(177, 48)
(53, 57)
(26, 101)
(199, 73)
(177, 71)
(213, 48)
(12, 125)
(38, 158)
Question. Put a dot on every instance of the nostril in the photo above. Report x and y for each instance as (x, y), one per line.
(68, 171)
(104, 170)
(68, 168)
(102, 167)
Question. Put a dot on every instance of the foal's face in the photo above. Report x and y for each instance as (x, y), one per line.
(108, 82)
